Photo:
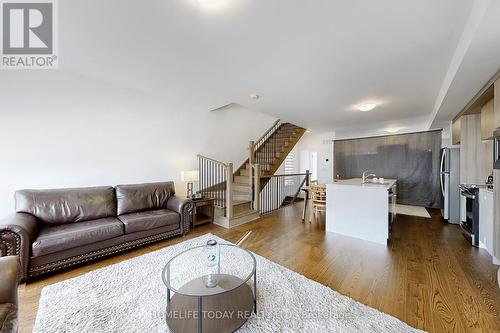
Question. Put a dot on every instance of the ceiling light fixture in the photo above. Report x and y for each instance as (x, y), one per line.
(308, 131)
(254, 96)
(392, 130)
(212, 4)
(366, 107)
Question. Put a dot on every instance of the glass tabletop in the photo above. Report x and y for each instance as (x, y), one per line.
(209, 270)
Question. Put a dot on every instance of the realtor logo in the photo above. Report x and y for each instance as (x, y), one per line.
(28, 34)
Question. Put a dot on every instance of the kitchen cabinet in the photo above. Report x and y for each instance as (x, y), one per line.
(470, 149)
(496, 103)
(455, 131)
(486, 219)
(476, 162)
(487, 120)
(496, 217)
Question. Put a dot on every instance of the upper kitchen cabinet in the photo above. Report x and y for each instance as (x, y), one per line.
(496, 103)
(455, 131)
(486, 103)
(487, 120)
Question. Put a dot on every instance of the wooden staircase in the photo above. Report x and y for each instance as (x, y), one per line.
(236, 199)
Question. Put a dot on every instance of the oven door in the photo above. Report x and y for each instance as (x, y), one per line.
(467, 211)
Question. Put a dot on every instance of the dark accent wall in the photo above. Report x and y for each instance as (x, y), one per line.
(413, 159)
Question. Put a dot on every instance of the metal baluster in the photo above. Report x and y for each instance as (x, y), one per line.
(202, 174)
(219, 180)
(221, 186)
(216, 184)
(280, 193)
(224, 184)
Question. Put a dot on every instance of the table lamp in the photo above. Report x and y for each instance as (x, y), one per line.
(189, 177)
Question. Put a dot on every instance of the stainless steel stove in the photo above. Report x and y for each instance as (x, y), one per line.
(469, 212)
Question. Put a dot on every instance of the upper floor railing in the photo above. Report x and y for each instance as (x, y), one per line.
(263, 151)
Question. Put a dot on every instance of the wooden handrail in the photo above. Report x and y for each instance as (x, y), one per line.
(267, 132)
(284, 175)
(212, 160)
(304, 181)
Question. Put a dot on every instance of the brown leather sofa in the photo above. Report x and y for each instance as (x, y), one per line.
(53, 229)
(9, 280)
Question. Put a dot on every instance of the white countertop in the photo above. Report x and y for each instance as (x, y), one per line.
(388, 183)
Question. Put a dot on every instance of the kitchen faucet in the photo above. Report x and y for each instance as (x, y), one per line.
(365, 177)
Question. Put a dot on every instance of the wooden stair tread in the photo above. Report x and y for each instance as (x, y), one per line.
(245, 213)
(239, 202)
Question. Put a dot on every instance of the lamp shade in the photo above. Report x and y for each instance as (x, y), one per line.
(189, 176)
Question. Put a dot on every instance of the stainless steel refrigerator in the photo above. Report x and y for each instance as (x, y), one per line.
(450, 179)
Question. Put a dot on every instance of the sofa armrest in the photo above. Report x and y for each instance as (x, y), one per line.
(17, 233)
(10, 275)
(184, 207)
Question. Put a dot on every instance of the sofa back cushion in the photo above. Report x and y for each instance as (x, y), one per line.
(61, 206)
(141, 197)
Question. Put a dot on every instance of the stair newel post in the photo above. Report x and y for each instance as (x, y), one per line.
(229, 190)
(256, 192)
(251, 152)
(308, 175)
(251, 161)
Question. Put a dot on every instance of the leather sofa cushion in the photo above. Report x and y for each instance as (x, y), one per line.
(136, 238)
(62, 237)
(67, 205)
(148, 220)
(8, 318)
(141, 197)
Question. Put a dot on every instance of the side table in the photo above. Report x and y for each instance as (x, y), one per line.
(203, 211)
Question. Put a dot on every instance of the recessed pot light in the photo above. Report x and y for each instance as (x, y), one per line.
(366, 107)
(392, 130)
(308, 131)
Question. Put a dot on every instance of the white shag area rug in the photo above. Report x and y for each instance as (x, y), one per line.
(130, 297)
(412, 211)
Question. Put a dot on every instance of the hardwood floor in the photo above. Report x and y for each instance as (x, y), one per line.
(428, 276)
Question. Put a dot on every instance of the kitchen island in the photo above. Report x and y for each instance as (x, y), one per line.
(364, 211)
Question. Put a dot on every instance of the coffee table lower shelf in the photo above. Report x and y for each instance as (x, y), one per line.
(219, 313)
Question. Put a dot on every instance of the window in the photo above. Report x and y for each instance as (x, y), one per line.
(290, 167)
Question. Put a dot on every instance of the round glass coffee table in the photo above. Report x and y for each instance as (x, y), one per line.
(211, 287)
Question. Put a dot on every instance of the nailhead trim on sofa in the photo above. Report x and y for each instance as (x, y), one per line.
(34, 271)
(7, 248)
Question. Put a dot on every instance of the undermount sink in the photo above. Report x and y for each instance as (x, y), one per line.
(376, 183)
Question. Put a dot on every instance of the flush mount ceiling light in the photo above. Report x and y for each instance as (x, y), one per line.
(254, 96)
(308, 131)
(212, 4)
(366, 107)
(392, 130)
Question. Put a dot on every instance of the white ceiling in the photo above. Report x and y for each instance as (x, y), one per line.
(478, 63)
(311, 61)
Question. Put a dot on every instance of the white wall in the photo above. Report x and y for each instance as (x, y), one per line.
(61, 130)
(322, 143)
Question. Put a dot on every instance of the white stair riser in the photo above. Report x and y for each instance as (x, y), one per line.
(242, 196)
(242, 188)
